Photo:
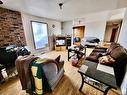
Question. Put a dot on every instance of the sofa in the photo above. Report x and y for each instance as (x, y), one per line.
(91, 41)
(38, 73)
(114, 56)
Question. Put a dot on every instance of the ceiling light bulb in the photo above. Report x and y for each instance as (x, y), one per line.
(60, 4)
(1, 2)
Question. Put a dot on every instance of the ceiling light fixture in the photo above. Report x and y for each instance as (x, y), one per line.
(60, 5)
(1, 2)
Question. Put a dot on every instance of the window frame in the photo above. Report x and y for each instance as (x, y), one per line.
(34, 37)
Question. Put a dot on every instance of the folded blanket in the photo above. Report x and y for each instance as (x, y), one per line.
(37, 73)
(40, 79)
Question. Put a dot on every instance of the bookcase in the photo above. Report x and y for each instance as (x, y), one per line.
(68, 41)
(62, 42)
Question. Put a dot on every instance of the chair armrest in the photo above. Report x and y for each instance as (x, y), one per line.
(60, 64)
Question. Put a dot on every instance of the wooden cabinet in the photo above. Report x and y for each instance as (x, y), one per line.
(62, 42)
(78, 34)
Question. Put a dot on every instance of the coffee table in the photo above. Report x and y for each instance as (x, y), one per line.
(88, 71)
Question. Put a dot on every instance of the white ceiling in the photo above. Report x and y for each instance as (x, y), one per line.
(71, 9)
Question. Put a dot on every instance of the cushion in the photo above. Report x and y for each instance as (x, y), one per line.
(107, 60)
(93, 56)
(119, 54)
(99, 50)
(112, 47)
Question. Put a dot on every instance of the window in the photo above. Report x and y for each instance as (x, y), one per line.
(40, 34)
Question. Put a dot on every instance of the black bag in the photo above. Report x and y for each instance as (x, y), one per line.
(22, 52)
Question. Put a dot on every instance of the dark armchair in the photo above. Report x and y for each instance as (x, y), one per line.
(46, 74)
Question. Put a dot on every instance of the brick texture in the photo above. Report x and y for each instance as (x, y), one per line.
(11, 28)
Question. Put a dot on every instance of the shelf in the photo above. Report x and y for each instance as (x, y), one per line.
(63, 41)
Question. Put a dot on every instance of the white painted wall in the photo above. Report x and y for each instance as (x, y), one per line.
(122, 36)
(95, 23)
(95, 29)
(123, 41)
(26, 18)
(67, 27)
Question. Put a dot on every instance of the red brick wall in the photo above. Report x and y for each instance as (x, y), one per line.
(11, 28)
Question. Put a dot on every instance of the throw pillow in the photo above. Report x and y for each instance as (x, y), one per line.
(119, 54)
(107, 60)
(112, 47)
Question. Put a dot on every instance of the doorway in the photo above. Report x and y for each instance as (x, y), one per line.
(113, 35)
(112, 31)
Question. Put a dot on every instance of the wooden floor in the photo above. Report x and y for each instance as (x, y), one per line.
(68, 85)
